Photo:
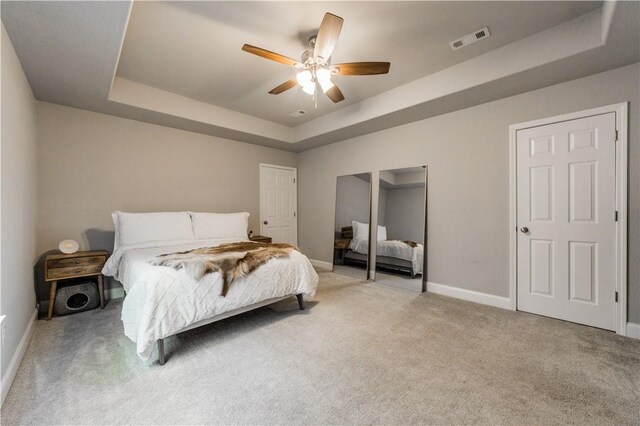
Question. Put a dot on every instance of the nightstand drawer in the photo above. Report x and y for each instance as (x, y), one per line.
(341, 244)
(78, 261)
(73, 271)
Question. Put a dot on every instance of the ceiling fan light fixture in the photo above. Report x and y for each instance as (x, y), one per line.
(323, 74)
(324, 78)
(304, 78)
(326, 85)
(309, 88)
(315, 68)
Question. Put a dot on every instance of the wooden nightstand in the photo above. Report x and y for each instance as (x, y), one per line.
(260, 239)
(62, 266)
(339, 247)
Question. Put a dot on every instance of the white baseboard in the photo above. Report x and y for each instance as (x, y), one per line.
(7, 380)
(469, 295)
(411, 285)
(633, 330)
(114, 293)
(321, 264)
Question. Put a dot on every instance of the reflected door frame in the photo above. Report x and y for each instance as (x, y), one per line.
(621, 179)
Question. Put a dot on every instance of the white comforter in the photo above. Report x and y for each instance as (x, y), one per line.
(392, 248)
(161, 301)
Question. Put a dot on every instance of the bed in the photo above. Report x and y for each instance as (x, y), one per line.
(162, 301)
(398, 255)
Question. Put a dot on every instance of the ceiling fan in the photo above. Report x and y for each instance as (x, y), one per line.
(315, 68)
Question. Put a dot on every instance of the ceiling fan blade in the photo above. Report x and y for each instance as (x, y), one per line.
(284, 87)
(267, 54)
(327, 36)
(362, 68)
(335, 94)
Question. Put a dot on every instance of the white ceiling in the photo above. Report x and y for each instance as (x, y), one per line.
(179, 64)
(194, 48)
(409, 177)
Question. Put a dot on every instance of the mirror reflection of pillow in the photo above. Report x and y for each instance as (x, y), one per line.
(360, 230)
(382, 233)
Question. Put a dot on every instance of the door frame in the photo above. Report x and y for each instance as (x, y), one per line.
(621, 164)
(295, 193)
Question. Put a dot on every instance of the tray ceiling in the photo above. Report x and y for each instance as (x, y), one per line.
(193, 48)
(179, 64)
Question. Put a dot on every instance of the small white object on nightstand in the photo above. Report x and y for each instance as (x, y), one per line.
(69, 246)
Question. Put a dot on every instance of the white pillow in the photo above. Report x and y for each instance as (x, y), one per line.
(136, 228)
(382, 233)
(116, 239)
(220, 225)
(360, 230)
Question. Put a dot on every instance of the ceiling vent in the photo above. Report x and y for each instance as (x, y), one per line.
(470, 38)
(298, 113)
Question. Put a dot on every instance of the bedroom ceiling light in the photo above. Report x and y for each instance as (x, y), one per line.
(309, 89)
(323, 76)
(308, 79)
(315, 64)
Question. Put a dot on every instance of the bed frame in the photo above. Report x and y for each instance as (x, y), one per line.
(385, 262)
(161, 354)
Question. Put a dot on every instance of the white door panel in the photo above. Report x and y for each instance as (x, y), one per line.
(278, 195)
(566, 199)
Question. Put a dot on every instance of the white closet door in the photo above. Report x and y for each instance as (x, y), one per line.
(566, 220)
(278, 204)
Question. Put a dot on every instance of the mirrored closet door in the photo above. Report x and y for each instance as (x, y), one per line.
(351, 230)
(401, 236)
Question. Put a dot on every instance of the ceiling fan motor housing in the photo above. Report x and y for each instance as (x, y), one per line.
(307, 56)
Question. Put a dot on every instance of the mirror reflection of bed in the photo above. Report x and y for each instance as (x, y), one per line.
(401, 227)
(353, 206)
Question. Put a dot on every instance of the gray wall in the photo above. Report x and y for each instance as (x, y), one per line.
(467, 157)
(91, 164)
(404, 213)
(352, 201)
(19, 201)
(382, 206)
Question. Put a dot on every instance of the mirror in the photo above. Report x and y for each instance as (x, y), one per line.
(401, 233)
(351, 230)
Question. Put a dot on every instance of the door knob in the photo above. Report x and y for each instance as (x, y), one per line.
(265, 222)
(524, 229)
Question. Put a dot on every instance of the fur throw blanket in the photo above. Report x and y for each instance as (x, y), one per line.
(411, 244)
(232, 260)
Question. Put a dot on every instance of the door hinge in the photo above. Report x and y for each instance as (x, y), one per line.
(616, 215)
(616, 137)
(294, 214)
(294, 180)
(616, 297)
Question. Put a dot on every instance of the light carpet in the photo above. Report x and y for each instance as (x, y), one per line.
(360, 353)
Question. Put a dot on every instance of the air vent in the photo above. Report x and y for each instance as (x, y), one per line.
(470, 38)
(298, 113)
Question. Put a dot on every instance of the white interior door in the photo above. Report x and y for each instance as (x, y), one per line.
(566, 220)
(278, 204)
